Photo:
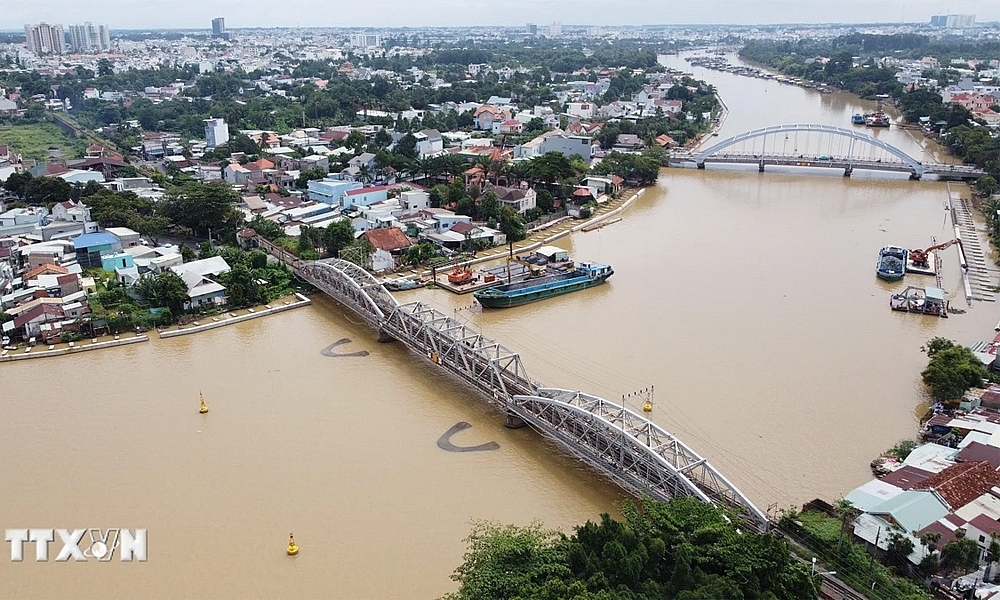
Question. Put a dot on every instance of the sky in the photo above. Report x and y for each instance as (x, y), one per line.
(160, 14)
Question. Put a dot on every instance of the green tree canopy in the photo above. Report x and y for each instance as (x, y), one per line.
(951, 370)
(204, 207)
(683, 549)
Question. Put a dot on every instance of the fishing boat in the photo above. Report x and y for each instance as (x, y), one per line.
(891, 265)
(583, 276)
(858, 119)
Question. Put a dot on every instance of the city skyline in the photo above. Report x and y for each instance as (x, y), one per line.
(189, 14)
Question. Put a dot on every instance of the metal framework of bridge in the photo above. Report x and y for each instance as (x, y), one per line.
(641, 456)
(817, 145)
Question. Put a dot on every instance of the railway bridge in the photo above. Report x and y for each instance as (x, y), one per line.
(642, 457)
(821, 146)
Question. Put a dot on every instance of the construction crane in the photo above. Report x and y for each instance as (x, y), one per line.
(919, 257)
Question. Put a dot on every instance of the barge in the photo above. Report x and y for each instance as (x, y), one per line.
(583, 276)
(891, 264)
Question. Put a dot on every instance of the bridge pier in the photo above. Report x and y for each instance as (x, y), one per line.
(848, 170)
(760, 167)
(700, 165)
(512, 421)
(385, 338)
(914, 176)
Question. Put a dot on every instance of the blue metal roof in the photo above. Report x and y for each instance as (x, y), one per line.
(89, 240)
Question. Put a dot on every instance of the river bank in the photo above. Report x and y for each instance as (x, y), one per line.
(12, 353)
(237, 316)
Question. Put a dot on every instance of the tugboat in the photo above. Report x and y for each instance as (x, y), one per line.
(858, 119)
(891, 265)
(585, 275)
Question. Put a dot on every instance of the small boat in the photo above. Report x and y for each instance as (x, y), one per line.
(585, 275)
(891, 265)
(402, 283)
(858, 119)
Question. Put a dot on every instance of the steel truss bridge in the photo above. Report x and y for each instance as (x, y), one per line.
(826, 146)
(638, 454)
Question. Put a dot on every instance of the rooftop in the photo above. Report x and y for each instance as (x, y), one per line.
(962, 483)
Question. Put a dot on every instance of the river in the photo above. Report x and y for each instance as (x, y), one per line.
(748, 300)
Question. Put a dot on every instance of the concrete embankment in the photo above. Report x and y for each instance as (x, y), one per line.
(229, 319)
(64, 349)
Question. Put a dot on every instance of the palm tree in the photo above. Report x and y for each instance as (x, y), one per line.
(364, 174)
(845, 512)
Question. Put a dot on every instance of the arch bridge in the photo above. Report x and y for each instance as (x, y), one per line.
(627, 447)
(818, 145)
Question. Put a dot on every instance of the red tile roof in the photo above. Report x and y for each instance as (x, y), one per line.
(962, 483)
(46, 269)
(388, 239)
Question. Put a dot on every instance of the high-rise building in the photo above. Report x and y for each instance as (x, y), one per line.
(555, 30)
(216, 132)
(953, 21)
(45, 39)
(365, 40)
(88, 38)
(218, 26)
(531, 29)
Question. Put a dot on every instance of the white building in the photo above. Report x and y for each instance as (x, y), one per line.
(216, 132)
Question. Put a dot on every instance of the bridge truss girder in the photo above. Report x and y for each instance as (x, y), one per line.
(352, 286)
(640, 455)
(855, 136)
(491, 367)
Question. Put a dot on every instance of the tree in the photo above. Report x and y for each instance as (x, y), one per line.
(845, 513)
(382, 138)
(961, 554)
(204, 208)
(166, 289)
(511, 223)
(406, 146)
(987, 186)
(337, 236)
(243, 143)
(47, 190)
(269, 230)
(682, 549)
(104, 68)
(952, 371)
(899, 548)
(419, 254)
(355, 140)
(490, 206)
(545, 200)
(17, 183)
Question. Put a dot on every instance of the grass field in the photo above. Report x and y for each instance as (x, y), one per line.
(33, 141)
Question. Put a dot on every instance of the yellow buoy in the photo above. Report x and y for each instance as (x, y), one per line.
(293, 548)
(204, 407)
(648, 406)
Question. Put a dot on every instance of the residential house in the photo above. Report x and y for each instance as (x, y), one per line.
(486, 115)
(90, 247)
(330, 190)
(202, 290)
(365, 196)
(126, 236)
(584, 110)
(628, 142)
(74, 212)
(567, 145)
(365, 159)
(521, 199)
(510, 126)
(429, 142)
(389, 243)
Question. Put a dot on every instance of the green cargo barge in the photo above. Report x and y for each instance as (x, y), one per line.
(585, 275)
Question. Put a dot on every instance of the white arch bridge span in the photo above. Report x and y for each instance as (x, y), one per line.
(817, 145)
(638, 454)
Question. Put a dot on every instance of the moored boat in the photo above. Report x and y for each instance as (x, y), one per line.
(877, 119)
(583, 276)
(891, 265)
